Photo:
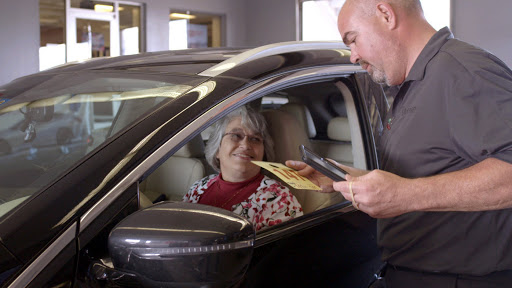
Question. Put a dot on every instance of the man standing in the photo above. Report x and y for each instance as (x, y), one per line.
(444, 193)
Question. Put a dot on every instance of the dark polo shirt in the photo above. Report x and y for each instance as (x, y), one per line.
(453, 111)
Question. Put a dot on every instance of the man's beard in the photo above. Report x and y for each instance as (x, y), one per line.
(378, 76)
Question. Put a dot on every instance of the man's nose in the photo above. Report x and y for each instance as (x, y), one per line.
(354, 57)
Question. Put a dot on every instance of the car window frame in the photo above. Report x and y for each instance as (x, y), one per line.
(255, 91)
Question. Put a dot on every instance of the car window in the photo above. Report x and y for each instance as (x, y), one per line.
(321, 115)
(47, 128)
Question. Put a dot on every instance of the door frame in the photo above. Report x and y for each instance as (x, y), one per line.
(72, 14)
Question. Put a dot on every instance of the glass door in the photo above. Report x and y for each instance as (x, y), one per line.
(91, 34)
(194, 30)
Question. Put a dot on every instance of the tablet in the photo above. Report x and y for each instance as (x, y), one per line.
(322, 165)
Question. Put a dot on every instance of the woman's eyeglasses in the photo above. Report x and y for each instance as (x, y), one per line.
(237, 137)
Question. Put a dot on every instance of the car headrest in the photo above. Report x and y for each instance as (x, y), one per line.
(301, 112)
(287, 133)
(193, 149)
(339, 129)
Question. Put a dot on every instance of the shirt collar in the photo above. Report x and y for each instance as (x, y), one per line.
(431, 49)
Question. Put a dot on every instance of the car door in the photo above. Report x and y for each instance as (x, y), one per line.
(309, 249)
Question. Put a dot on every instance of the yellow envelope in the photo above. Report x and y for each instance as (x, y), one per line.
(288, 175)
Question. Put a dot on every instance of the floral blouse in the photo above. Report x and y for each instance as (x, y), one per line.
(271, 204)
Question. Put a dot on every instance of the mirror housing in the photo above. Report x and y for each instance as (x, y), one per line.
(175, 244)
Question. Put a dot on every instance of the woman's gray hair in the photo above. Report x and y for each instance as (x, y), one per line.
(251, 120)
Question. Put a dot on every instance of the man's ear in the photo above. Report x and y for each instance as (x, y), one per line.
(386, 14)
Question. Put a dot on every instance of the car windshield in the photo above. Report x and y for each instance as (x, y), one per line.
(49, 123)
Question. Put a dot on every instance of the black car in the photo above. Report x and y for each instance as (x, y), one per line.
(101, 206)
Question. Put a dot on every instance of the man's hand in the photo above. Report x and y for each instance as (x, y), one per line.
(380, 194)
(314, 176)
(375, 192)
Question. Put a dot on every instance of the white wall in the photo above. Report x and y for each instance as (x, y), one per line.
(270, 21)
(248, 23)
(19, 36)
(486, 24)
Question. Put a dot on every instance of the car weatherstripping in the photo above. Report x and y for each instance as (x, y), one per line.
(96, 157)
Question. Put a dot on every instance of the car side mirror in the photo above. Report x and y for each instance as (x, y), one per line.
(183, 245)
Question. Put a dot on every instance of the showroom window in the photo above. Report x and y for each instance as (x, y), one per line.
(130, 29)
(52, 27)
(319, 17)
(194, 30)
(73, 30)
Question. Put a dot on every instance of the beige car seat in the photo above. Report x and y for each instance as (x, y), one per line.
(339, 145)
(175, 176)
(288, 135)
(303, 116)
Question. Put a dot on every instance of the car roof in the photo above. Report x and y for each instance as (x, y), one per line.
(214, 60)
(209, 62)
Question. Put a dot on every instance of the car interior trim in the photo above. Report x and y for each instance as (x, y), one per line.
(29, 274)
(357, 138)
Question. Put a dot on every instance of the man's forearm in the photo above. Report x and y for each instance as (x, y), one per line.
(483, 186)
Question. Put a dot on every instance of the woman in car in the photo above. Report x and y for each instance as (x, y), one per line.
(236, 140)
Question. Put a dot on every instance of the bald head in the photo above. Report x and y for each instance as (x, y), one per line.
(412, 7)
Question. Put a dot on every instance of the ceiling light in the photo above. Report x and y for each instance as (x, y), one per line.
(103, 8)
(182, 16)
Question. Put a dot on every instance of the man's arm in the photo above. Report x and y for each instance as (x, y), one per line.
(483, 186)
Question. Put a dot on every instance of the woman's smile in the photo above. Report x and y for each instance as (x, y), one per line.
(244, 156)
